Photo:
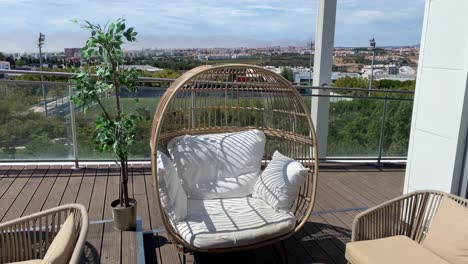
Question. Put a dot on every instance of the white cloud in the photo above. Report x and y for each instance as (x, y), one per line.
(251, 21)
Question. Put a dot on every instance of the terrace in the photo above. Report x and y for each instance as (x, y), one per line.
(43, 174)
(47, 158)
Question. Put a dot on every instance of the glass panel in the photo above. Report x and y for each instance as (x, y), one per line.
(397, 128)
(354, 127)
(145, 105)
(25, 130)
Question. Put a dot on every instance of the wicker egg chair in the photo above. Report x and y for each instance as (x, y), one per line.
(231, 98)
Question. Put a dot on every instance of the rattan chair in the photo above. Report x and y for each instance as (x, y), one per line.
(29, 237)
(236, 97)
(408, 215)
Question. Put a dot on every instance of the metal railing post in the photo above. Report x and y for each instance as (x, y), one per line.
(73, 125)
(192, 116)
(382, 130)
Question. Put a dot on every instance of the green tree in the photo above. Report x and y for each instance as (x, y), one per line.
(115, 130)
(287, 73)
(2, 56)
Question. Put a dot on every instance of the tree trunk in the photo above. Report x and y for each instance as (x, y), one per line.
(124, 201)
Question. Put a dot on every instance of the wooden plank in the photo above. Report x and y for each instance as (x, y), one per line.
(168, 253)
(24, 196)
(15, 189)
(5, 183)
(8, 179)
(87, 186)
(4, 171)
(155, 213)
(92, 248)
(344, 190)
(296, 251)
(381, 184)
(18, 182)
(140, 194)
(312, 246)
(356, 186)
(98, 197)
(95, 212)
(58, 189)
(5, 204)
(129, 247)
(42, 192)
(112, 239)
(73, 186)
(333, 202)
(129, 237)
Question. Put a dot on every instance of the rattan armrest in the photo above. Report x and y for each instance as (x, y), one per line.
(30, 236)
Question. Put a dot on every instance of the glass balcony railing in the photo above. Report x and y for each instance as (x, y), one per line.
(360, 126)
(30, 129)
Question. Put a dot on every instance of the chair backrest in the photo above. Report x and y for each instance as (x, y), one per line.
(236, 97)
(29, 237)
(426, 205)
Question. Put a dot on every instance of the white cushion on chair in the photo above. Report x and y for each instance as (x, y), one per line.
(173, 196)
(220, 223)
(280, 182)
(448, 232)
(390, 250)
(218, 165)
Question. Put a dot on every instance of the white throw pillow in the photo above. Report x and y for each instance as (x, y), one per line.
(173, 196)
(218, 165)
(280, 182)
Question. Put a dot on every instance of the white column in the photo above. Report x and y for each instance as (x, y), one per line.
(323, 61)
(439, 128)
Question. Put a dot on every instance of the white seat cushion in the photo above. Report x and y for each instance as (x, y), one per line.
(280, 182)
(390, 250)
(218, 165)
(232, 222)
(173, 197)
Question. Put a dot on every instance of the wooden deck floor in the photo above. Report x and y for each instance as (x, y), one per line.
(343, 191)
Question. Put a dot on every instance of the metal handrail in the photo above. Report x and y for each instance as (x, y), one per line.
(70, 74)
(153, 79)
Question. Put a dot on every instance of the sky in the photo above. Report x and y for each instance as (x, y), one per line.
(208, 23)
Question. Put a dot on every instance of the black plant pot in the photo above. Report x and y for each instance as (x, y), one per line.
(124, 217)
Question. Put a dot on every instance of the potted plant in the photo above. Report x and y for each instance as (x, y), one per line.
(96, 86)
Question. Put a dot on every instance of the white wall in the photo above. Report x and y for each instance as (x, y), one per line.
(440, 114)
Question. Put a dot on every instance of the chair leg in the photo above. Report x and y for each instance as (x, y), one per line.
(182, 256)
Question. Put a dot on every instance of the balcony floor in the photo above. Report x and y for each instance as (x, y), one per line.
(344, 190)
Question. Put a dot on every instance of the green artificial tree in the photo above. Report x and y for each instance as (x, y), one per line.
(115, 130)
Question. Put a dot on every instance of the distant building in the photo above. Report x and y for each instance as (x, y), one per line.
(72, 53)
(304, 76)
(146, 68)
(407, 70)
(4, 65)
(393, 70)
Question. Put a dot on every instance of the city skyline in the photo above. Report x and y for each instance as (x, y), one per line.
(209, 23)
